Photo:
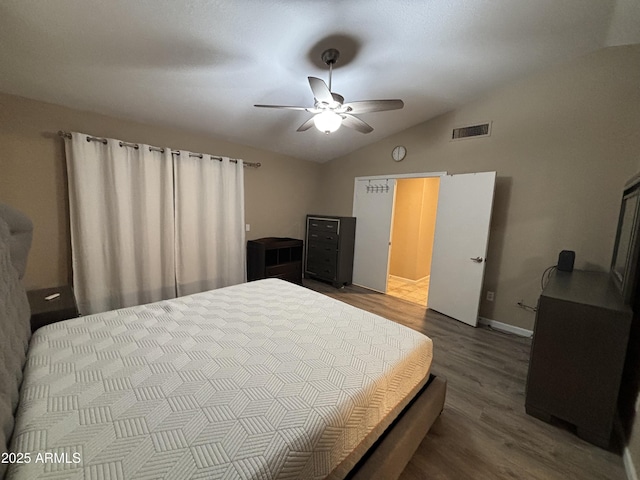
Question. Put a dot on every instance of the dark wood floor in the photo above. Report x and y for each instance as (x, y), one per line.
(483, 432)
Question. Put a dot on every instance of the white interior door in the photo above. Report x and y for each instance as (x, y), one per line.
(460, 244)
(373, 209)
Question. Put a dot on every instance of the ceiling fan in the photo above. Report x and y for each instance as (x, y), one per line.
(329, 110)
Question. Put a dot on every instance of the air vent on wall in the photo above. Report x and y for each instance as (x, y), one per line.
(479, 130)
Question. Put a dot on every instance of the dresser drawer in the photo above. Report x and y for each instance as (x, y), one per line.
(316, 246)
(322, 257)
(326, 271)
(322, 236)
(323, 225)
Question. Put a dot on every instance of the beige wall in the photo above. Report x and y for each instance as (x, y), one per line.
(563, 144)
(33, 177)
(416, 201)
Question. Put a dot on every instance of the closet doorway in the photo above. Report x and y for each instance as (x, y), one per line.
(458, 245)
(412, 232)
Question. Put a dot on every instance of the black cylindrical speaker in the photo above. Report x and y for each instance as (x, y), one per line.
(565, 260)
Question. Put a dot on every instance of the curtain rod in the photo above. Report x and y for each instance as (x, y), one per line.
(158, 149)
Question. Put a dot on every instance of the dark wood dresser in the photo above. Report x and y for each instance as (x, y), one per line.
(275, 257)
(329, 248)
(578, 351)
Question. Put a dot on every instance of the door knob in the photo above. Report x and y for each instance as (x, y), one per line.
(477, 259)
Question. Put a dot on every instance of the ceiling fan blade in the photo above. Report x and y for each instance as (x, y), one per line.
(285, 107)
(306, 125)
(355, 123)
(320, 90)
(367, 106)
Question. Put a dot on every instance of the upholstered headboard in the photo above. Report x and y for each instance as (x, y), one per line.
(21, 230)
(15, 331)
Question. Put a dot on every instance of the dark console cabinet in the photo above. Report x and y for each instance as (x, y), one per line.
(274, 257)
(329, 248)
(578, 351)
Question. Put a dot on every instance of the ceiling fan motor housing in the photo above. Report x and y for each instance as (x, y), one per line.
(330, 56)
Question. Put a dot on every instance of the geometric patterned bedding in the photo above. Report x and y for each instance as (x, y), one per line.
(263, 380)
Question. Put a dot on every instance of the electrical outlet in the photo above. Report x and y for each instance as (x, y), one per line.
(490, 296)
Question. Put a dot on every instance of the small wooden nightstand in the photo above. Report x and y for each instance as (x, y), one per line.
(45, 312)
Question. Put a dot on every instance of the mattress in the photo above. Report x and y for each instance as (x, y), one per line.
(262, 380)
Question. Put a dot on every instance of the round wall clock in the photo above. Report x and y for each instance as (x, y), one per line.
(399, 153)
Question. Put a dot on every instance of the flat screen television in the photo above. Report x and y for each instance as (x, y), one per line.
(625, 252)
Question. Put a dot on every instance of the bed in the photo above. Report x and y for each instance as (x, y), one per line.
(260, 380)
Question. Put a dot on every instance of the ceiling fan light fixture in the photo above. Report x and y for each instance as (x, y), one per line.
(329, 110)
(327, 121)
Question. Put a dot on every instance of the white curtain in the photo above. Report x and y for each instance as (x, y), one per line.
(146, 226)
(122, 224)
(209, 215)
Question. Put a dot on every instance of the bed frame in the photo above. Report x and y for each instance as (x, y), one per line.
(388, 457)
(384, 460)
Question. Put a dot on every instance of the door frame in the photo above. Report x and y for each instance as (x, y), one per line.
(393, 176)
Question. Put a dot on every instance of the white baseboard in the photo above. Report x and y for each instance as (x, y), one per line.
(629, 467)
(505, 327)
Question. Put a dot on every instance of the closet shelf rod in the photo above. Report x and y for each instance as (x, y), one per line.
(158, 149)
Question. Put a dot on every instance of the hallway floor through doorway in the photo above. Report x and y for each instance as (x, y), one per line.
(415, 292)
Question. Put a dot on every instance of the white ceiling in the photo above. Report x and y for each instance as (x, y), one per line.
(201, 65)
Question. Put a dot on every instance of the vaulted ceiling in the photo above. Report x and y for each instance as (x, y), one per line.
(201, 65)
